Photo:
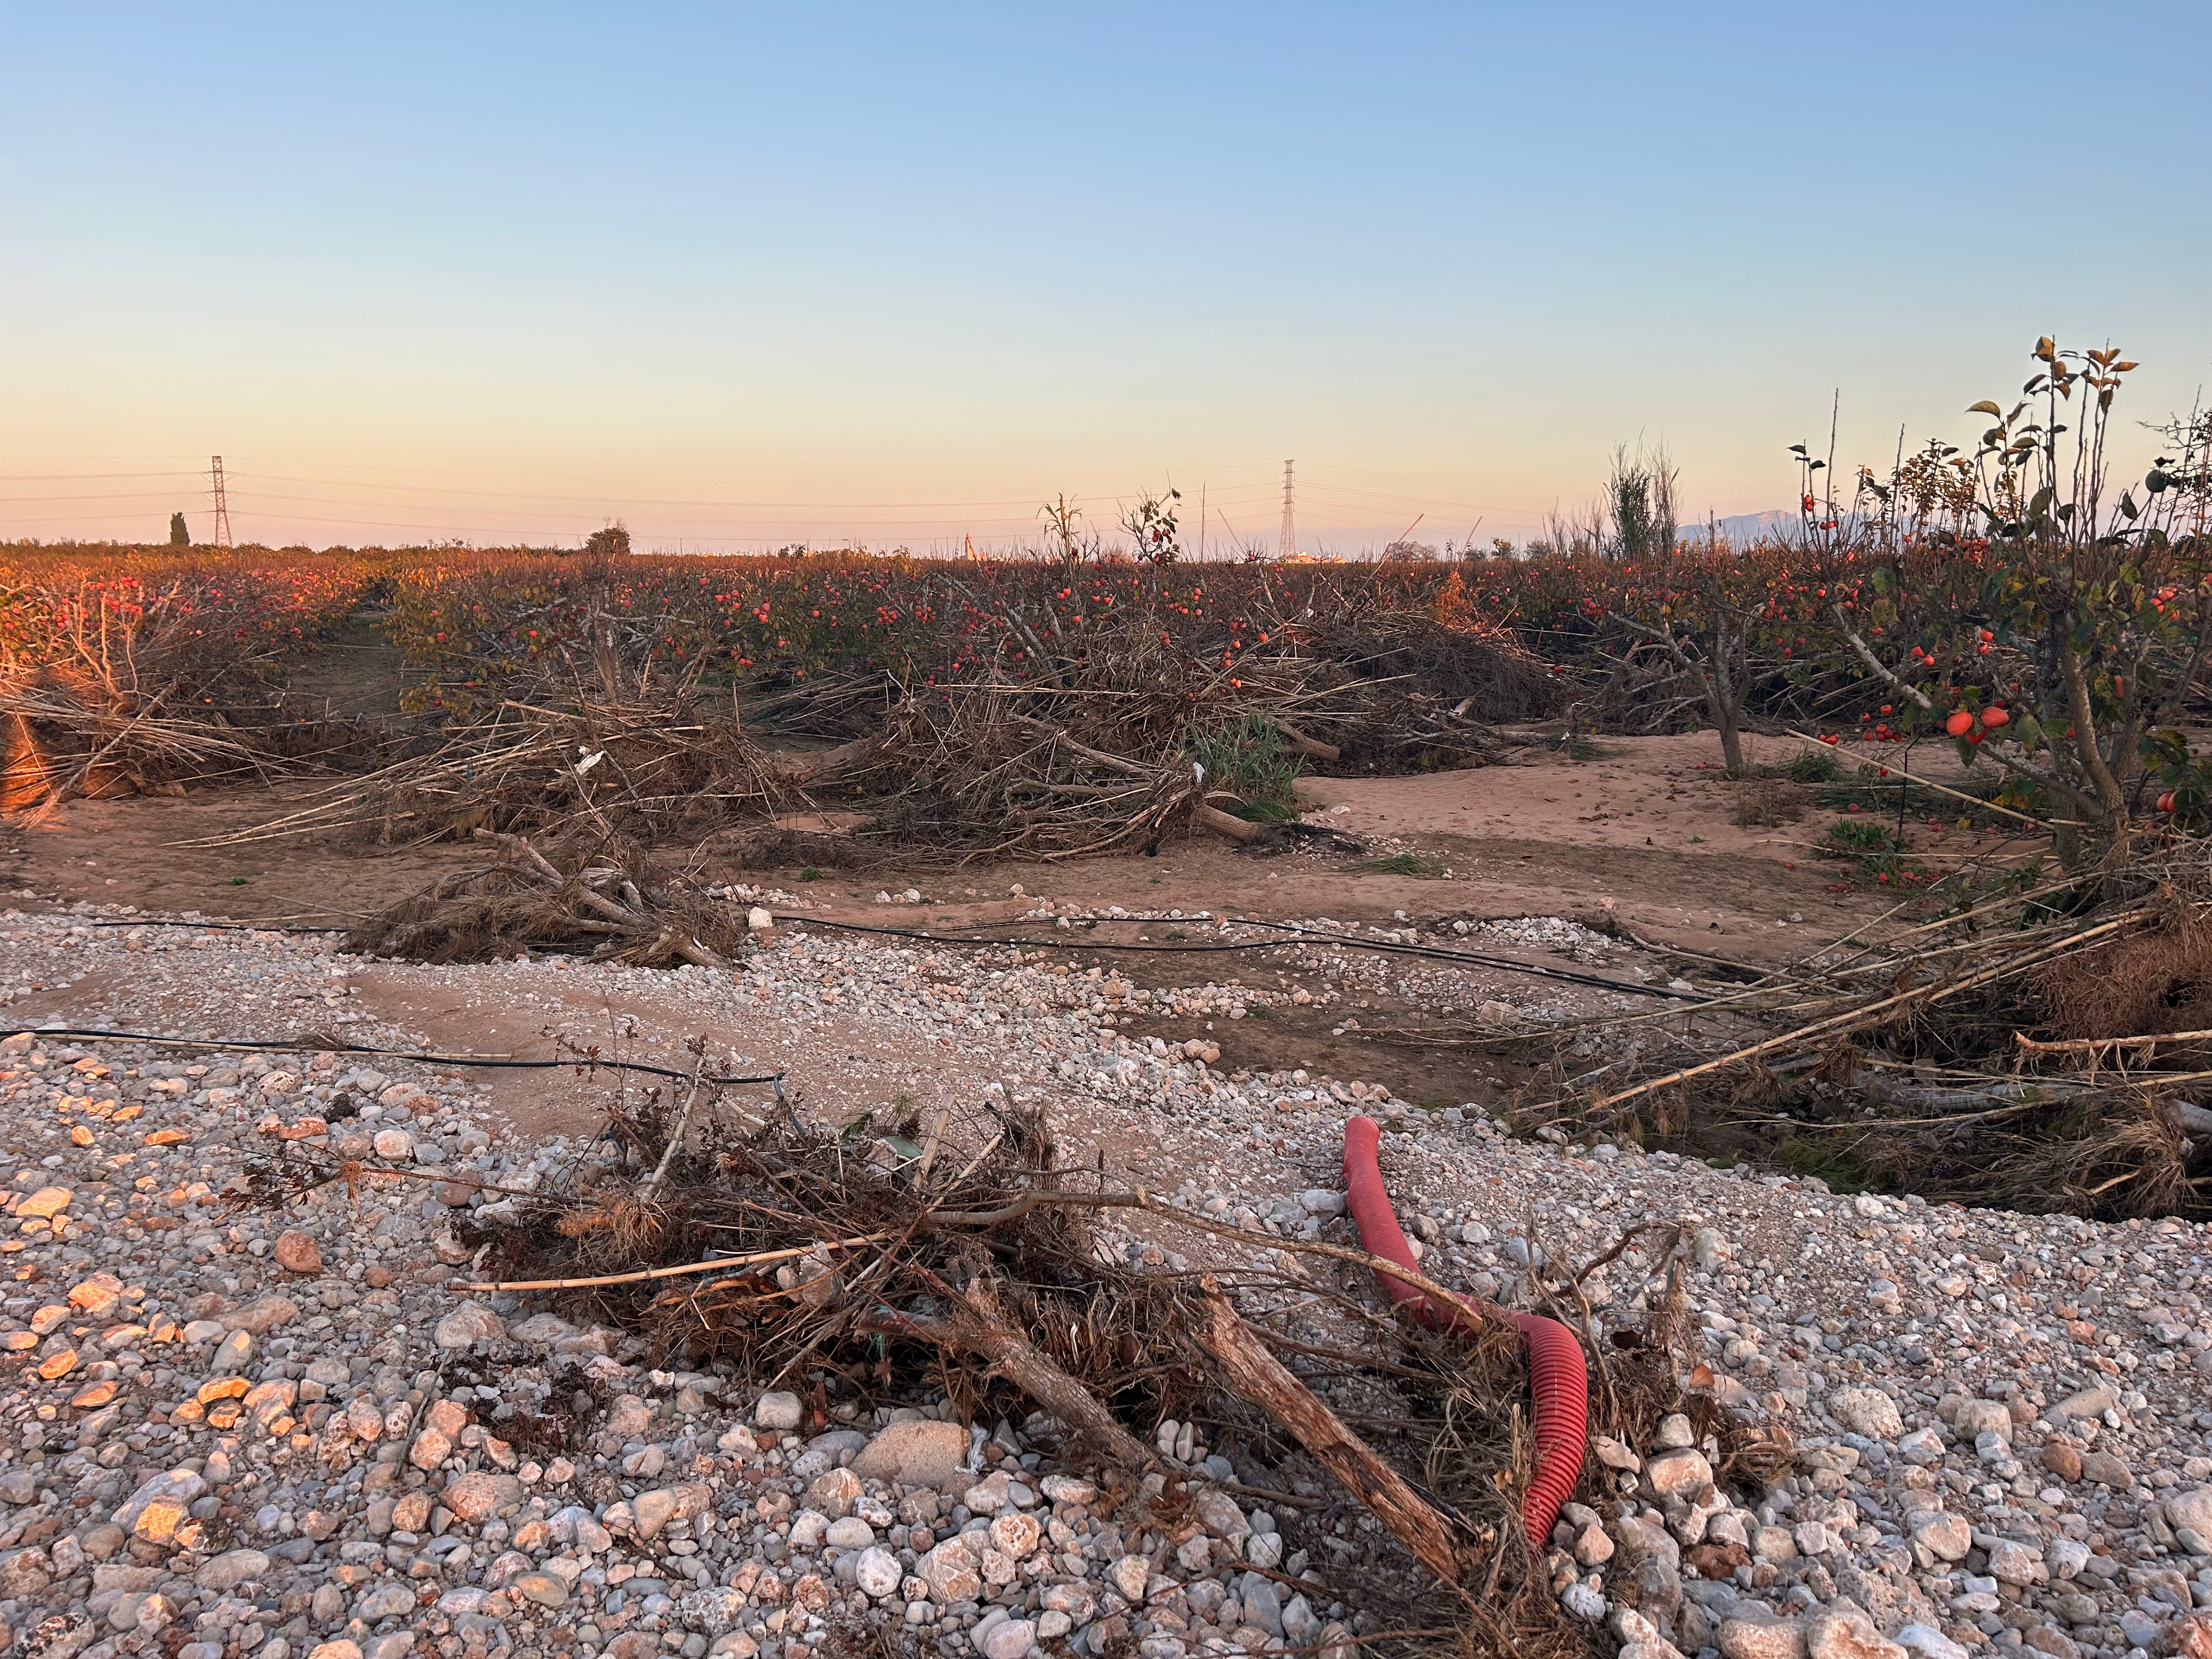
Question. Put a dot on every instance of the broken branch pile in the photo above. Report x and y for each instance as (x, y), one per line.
(1069, 744)
(934, 1254)
(1909, 1065)
(645, 763)
(112, 688)
(611, 901)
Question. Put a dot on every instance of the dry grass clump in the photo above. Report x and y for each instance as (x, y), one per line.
(2151, 982)
(604, 896)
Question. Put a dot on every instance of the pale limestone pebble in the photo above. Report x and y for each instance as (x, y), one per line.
(953, 1572)
(160, 1505)
(778, 1410)
(924, 1452)
(834, 1492)
(1679, 1470)
(1926, 1642)
(1067, 1489)
(1844, 1632)
(1869, 1412)
(474, 1497)
(1976, 1418)
(1615, 1454)
(231, 1569)
(878, 1574)
(1941, 1536)
(468, 1324)
(1762, 1636)
(2016, 1564)
(2192, 1509)
(647, 1513)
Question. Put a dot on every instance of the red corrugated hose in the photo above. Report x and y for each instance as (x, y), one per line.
(1558, 1376)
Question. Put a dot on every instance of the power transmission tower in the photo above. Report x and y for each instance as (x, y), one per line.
(1290, 518)
(221, 502)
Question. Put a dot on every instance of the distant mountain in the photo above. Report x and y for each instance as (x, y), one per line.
(1779, 523)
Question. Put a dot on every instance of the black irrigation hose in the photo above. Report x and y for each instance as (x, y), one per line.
(1301, 935)
(482, 1062)
(220, 926)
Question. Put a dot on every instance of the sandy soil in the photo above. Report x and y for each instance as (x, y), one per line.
(1648, 824)
(1641, 840)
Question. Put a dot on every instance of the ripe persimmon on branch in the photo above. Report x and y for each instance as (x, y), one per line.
(2051, 626)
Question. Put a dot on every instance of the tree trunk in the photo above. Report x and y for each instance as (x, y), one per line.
(1731, 742)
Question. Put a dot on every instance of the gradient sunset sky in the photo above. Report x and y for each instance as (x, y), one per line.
(748, 275)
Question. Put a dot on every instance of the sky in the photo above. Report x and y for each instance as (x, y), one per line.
(741, 276)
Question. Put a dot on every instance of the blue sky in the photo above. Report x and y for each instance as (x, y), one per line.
(746, 275)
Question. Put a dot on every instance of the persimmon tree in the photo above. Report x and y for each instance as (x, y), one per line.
(2074, 606)
(1716, 616)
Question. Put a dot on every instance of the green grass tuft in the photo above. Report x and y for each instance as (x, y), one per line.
(1812, 766)
(1247, 759)
(1425, 866)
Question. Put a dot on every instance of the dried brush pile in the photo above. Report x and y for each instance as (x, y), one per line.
(1054, 737)
(882, 1252)
(605, 897)
(650, 765)
(111, 688)
(2042, 1051)
(1067, 746)
(952, 1254)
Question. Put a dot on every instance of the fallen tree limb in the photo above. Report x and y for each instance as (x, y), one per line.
(1299, 744)
(1095, 756)
(1933, 992)
(1224, 824)
(970, 1324)
(2095, 1047)
(644, 1273)
(1254, 1375)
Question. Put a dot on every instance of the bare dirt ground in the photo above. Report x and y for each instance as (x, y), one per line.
(1650, 824)
(1642, 841)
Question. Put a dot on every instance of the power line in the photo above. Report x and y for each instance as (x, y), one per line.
(87, 478)
(611, 499)
(106, 496)
(1289, 544)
